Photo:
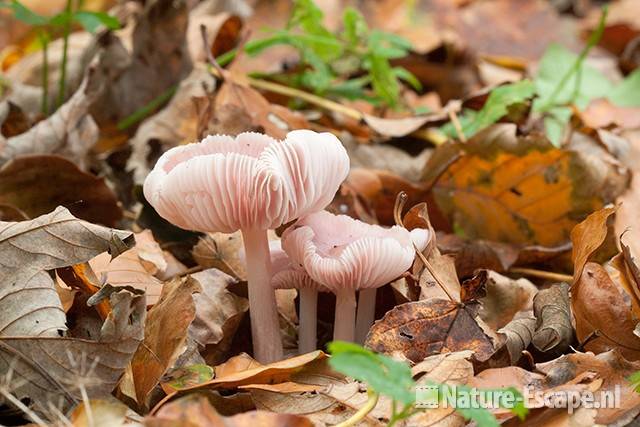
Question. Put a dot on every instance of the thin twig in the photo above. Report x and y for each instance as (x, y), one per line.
(456, 125)
(362, 412)
(432, 271)
(401, 200)
(541, 274)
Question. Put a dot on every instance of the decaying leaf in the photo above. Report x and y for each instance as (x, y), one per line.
(194, 410)
(57, 369)
(504, 298)
(37, 184)
(522, 190)
(551, 307)
(175, 124)
(423, 328)
(70, 131)
(165, 334)
(448, 368)
(221, 251)
(218, 314)
(612, 369)
(518, 335)
(102, 413)
(603, 309)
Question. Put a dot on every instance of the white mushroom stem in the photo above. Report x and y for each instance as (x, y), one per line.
(366, 313)
(265, 328)
(344, 326)
(308, 320)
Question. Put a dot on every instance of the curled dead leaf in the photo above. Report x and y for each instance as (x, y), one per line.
(423, 328)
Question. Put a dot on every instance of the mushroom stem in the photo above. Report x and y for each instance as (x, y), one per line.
(345, 320)
(366, 313)
(265, 328)
(308, 320)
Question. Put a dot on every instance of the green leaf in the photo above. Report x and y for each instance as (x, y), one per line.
(383, 80)
(580, 88)
(24, 14)
(407, 76)
(627, 93)
(555, 123)
(497, 104)
(383, 374)
(351, 89)
(299, 41)
(91, 21)
(634, 379)
(355, 26)
(191, 375)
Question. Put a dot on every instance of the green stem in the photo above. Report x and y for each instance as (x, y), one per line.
(65, 49)
(362, 412)
(593, 40)
(44, 41)
(147, 109)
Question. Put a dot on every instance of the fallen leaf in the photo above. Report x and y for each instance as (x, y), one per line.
(175, 124)
(610, 367)
(221, 251)
(165, 333)
(25, 183)
(218, 314)
(603, 313)
(423, 328)
(522, 190)
(518, 335)
(504, 298)
(187, 376)
(449, 368)
(158, 59)
(587, 237)
(50, 367)
(30, 248)
(70, 131)
(601, 113)
(551, 308)
(194, 411)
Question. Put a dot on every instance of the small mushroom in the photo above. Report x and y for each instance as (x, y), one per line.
(287, 275)
(347, 255)
(252, 183)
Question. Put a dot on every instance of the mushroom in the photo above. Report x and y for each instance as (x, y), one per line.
(287, 275)
(347, 255)
(252, 183)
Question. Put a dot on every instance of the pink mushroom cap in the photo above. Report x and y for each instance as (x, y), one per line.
(288, 275)
(250, 182)
(341, 252)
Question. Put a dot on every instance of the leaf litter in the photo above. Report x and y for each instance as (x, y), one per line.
(506, 129)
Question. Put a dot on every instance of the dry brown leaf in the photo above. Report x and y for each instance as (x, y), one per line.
(175, 124)
(218, 314)
(518, 335)
(611, 368)
(587, 237)
(449, 368)
(165, 334)
(603, 313)
(70, 131)
(26, 184)
(56, 369)
(158, 59)
(423, 328)
(197, 411)
(521, 190)
(551, 308)
(445, 270)
(221, 251)
(471, 255)
(30, 248)
(601, 113)
(504, 298)
(272, 119)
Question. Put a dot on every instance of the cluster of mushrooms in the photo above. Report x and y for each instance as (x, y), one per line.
(254, 183)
